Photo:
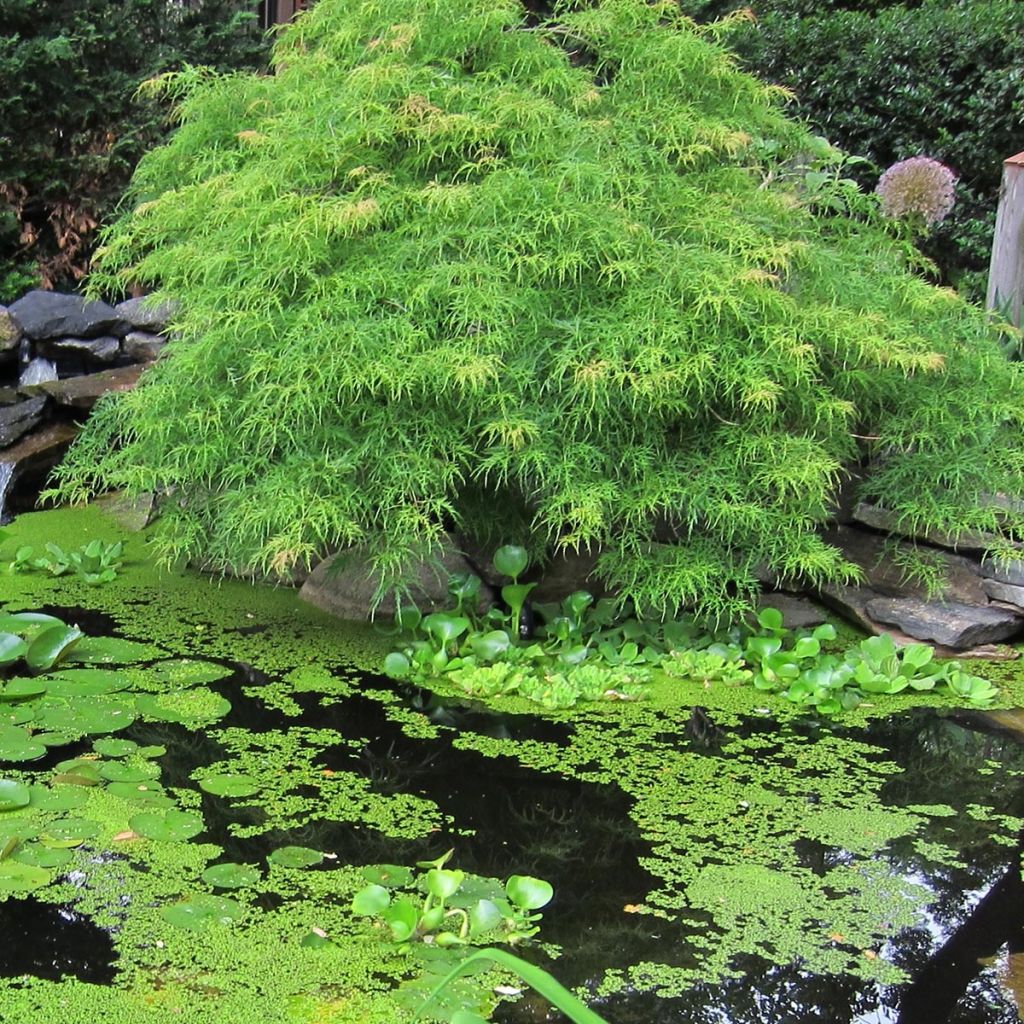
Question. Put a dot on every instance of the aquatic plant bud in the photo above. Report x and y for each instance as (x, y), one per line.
(918, 187)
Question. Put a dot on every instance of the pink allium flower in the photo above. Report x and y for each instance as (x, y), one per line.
(919, 186)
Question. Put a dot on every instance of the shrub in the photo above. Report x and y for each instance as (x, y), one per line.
(444, 271)
(891, 81)
(70, 132)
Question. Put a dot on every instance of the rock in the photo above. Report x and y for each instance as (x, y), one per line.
(42, 315)
(36, 454)
(565, 574)
(875, 556)
(104, 349)
(852, 602)
(17, 420)
(142, 347)
(879, 518)
(951, 624)
(1011, 572)
(83, 392)
(143, 315)
(10, 332)
(797, 612)
(348, 592)
(1005, 592)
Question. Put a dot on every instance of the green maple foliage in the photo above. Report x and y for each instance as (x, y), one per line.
(447, 269)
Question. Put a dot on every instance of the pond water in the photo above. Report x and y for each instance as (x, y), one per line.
(711, 860)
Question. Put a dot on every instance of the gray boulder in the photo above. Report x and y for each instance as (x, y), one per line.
(952, 625)
(144, 315)
(104, 349)
(10, 332)
(1011, 572)
(83, 392)
(42, 315)
(143, 347)
(1005, 592)
(16, 420)
(346, 589)
(880, 518)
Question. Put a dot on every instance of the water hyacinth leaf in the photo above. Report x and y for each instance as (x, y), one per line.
(12, 648)
(231, 876)
(442, 883)
(171, 826)
(445, 628)
(110, 746)
(408, 617)
(16, 744)
(484, 916)
(527, 892)
(16, 876)
(490, 646)
(401, 917)
(203, 912)
(511, 560)
(237, 785)
(295, 857)
(50, 646)
(806, 647)
(770, 618)
(13, 795)
(397, 665)
(15, 690)
(371, 901)
(389, 875)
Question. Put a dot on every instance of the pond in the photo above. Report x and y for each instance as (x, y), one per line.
(712, 859)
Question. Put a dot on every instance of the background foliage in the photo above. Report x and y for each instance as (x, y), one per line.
(70, 130)
(445, 271)
(942, 78)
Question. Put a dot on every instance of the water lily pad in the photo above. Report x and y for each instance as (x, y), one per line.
(193, 708)
(85, 682)
(43, 857)
(187, 671)
(67, 798)
(202, 912)
(12, 648)
(295, 857)
(154, 750)
(230, 785)
(27, 624)
(231, 876)
(147, 794)
(13, 795)
(52, 644)
(19, 689)
(87, 715)
(17, 714)
(16, 744)
(117, 771)
(110, 746)
(77, 772)
(388, 875)
(111, 650)
(166, 826)
(55, 739)
(69, 831)
(16, 876)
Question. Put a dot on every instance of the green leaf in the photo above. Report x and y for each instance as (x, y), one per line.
(442, 883)
(13, 795)
(12, 648)
(511, 560)
(52, 644)
(528, 893)
(295, 857)
(172, 826)
(401, 917)
(202, 912)
(770, 618)
(371, 901)
(397, 666)
(231, 876)
(390, 875)
(237, 785)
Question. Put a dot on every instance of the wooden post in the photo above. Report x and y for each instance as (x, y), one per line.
(1006, 272)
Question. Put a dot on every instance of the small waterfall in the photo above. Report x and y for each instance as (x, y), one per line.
(6, 473)
(38, 371)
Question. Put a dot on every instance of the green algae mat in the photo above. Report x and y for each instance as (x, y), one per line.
(190, 799)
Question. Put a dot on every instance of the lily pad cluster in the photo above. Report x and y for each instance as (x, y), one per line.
(449, 908)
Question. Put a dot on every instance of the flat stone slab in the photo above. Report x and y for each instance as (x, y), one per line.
(104, 349)
(41, 449)
(144, 315)
(879, 518)
(42, 315)
(17, 420)
(84, 392)
(951, 624)
(1005, 592)
(1011, 572)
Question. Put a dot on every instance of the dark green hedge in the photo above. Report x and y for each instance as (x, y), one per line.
(70, 130)
(890, 81)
